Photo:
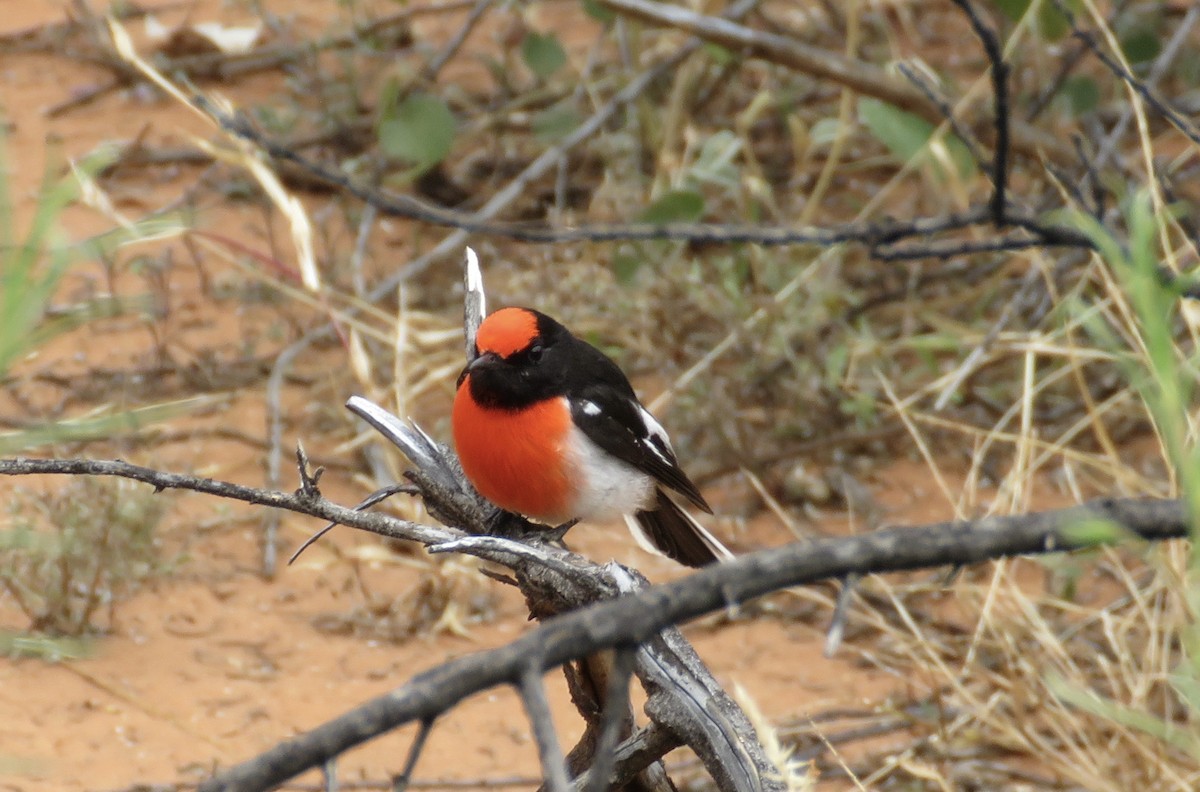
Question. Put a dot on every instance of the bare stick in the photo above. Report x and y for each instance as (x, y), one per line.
(875, 235)
(991, 46)
(401, 782)
(533, 694)
(837, 625)
(474, 301)
(616, 699)
(376, 497)
(1176, 117)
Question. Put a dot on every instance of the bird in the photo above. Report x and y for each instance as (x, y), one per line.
(548, 426)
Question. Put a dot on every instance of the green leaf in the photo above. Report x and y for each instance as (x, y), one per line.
(1187, 686)
(543, 54)
(1141, 44)
(676, 206)
(1013, 9)
(555, 123)
(715, 162)
(906, 135)
(419, 129)
(825, 131)
(625, 266)
(1082, 94)
(1051, 24)
(1089, 532)
(598, 12)
(836, 362)
(720, 55)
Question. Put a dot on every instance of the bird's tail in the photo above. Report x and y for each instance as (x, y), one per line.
(669, 530)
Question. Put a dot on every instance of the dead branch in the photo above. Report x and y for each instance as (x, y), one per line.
(635, 618)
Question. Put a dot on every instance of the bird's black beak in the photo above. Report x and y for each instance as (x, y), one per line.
(480, 361)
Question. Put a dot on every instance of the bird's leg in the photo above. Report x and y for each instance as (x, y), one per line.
(557, 533)
(508, 525)
(496, 522)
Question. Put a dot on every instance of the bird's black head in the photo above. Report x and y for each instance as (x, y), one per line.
(522, 358)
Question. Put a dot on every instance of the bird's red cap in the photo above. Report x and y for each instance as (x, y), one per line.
(507, 331)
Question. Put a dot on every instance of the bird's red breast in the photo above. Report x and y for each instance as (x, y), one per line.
(516, 458)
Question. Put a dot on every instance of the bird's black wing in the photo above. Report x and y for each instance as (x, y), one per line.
(614, 420)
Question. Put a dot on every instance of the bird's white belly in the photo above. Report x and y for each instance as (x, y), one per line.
(607, 488)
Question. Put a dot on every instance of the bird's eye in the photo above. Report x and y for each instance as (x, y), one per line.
(535, 353)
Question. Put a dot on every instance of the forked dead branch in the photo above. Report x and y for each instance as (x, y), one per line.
(611, 609)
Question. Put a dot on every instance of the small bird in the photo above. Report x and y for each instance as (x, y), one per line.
(548, 426)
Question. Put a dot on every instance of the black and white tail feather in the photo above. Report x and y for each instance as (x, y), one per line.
(669, 530)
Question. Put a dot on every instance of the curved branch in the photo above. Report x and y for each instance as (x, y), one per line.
(638, 618)
(634, 618)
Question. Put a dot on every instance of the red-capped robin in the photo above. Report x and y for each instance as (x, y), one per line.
(548, 426)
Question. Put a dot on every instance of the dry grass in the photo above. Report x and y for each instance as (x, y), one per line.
(71, 556)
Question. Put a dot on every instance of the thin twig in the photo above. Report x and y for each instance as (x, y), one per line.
(401, 782)
(823, 64)
(537, 706)
(616, 702)
(439, 61)
(837, 624)
(1161, 64)
(991, 46)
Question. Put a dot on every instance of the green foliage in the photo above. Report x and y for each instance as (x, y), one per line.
(1165, 381)
(1180, 737)
(555, 123)
(1048, 21)
(31, 268)
(720, 55)
(418, 129)
(45, 647)
(1141, 43)
(67, 556)
(1095, 532)
(599, 12)
(675, 206)
(908, 136)
(108, 424)
(1082, 94)
(543, 54)
(716, 164)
